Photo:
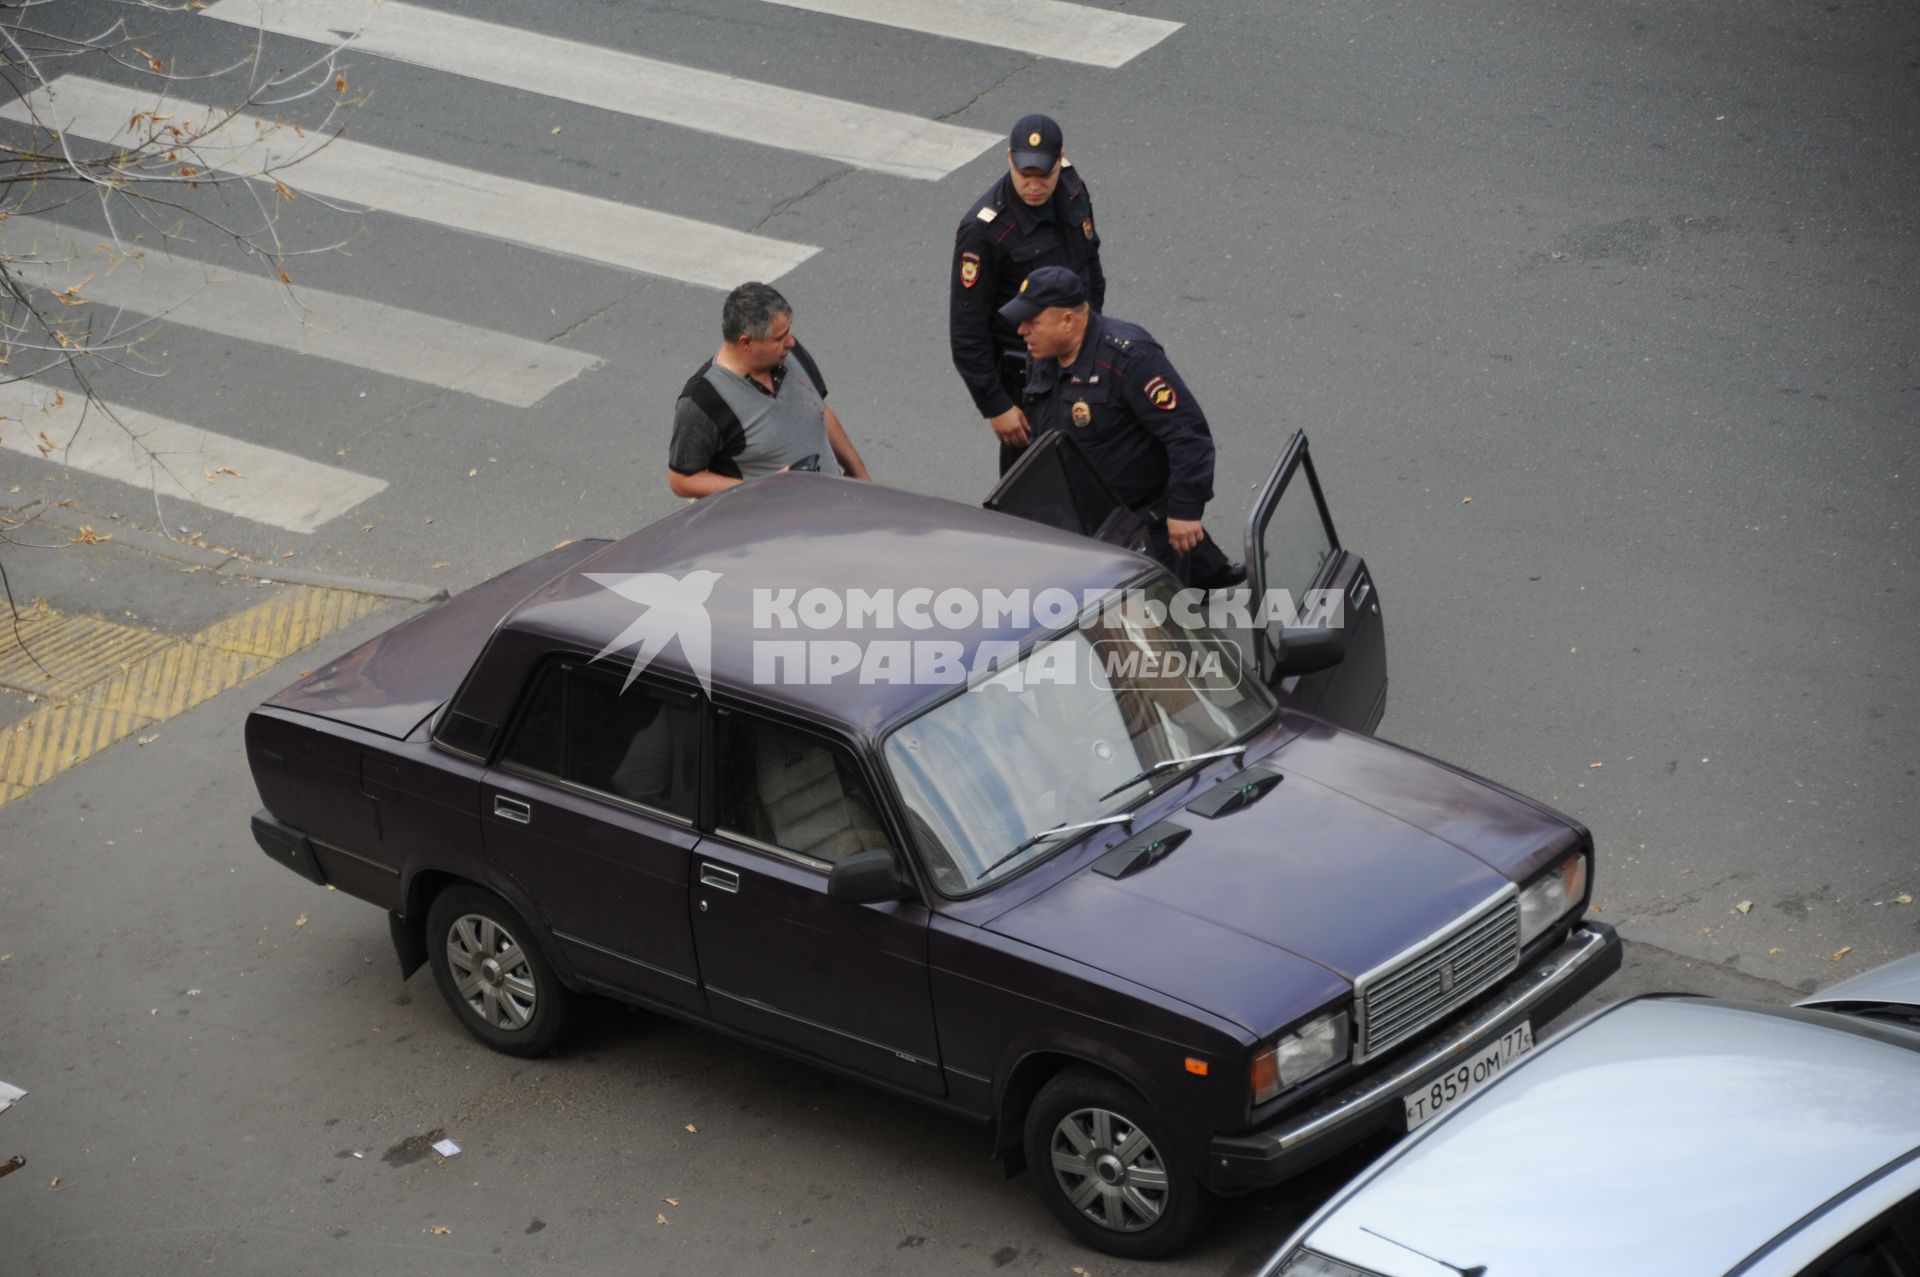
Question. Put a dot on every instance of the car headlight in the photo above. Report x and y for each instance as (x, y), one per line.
(1304, 1263)
(1546, 899)
(1314, 1047)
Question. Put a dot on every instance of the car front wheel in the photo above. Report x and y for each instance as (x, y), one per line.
(1101, 1160)
(492, 973)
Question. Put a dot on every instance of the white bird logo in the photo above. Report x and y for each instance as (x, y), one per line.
(675, 608)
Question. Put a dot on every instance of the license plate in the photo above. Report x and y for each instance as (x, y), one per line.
(1449, 1089)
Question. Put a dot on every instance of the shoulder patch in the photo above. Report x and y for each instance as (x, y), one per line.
(1161, 395)
(987, 214)
(1065, 162)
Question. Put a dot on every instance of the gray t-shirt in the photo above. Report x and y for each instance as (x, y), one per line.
(775, 430)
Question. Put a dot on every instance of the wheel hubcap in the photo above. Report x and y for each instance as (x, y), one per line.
(1109, 1169)
(491, 972)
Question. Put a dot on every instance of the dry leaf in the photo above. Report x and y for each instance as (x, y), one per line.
(339, 84)
(301, 921)
(1904, 898)
(284, 277)
(70, 297)
(147, 740)
(1776, 949)
(284, 191)
(671, 1201)
(1591, 766)
(659, 1219)
(87, 536)
(692, 1129)
(554, 129)
(366, 527)
(1840, 953)
(287, 555)
(473, 472)
(1466, 500)
(1745, 906)
(441, 1230)
(47, 446)
(54, 1182)
(443, 564)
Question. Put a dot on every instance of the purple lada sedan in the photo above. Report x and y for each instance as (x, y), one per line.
(1142, 897)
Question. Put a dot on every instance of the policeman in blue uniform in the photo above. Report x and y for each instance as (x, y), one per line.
(1111, 385)
(1037, 214)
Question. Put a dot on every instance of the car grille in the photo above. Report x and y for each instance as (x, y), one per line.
(1396, 1000)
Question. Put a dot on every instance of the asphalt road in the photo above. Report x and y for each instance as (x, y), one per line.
(1600, 317)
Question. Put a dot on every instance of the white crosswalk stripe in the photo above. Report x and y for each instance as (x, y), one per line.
(349, 330)
(845, 132)
(1047, 28)
(176, 460)
(375, 177)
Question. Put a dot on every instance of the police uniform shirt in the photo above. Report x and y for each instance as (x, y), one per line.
(1000, 241)
(1128, 409)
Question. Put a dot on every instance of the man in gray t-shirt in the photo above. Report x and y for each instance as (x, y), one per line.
(757, 407)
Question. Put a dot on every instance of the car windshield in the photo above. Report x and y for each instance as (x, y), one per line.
(1065, 734)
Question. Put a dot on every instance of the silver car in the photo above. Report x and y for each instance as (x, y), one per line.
(1663, 1135)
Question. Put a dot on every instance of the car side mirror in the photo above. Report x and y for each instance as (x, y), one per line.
(1307, 650)
(867, 876)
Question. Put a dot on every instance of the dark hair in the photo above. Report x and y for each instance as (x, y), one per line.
(749, 312)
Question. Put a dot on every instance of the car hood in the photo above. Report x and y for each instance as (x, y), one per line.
(1362, 851)
(1759, 1116)
(1896, 984)
(390, 683)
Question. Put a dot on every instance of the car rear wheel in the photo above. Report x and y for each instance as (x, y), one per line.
(1103, 1163)
(492, 973)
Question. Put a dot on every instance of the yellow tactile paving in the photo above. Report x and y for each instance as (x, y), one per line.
(111, 681)
(54, 653)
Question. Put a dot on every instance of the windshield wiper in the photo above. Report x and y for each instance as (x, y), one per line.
(1167, 764)
(1047, 835)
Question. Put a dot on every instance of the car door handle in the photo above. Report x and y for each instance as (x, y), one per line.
(1358, 597)
(512, 809)
(719, 879)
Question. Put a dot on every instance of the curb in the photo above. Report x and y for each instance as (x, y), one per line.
(232, 564)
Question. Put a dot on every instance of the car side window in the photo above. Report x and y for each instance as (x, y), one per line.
(639, 744)
(793, 790)
(1881, 1253)
(1294, 545)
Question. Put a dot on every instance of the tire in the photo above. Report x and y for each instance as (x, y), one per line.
(516, 1006)
(1103, 1162)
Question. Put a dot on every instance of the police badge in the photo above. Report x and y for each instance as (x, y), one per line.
(1082, 413)
(1086, 228)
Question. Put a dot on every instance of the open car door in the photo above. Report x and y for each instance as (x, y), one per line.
(1291, 546)
(1054, 483)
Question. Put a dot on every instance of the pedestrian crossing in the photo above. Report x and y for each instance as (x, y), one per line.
(462, 199)
(1044, 28)
(727, 106)
(285, 491)
(310, 321)
(177, 460)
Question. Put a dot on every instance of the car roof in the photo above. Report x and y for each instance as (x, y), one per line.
(1666, 1135)
(799, 532)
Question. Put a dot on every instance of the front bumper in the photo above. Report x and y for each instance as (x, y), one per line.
(1295, 1141)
